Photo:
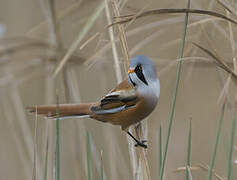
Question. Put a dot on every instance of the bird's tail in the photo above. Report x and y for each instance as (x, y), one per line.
(62, 111)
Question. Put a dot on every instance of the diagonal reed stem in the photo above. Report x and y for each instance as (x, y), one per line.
(174, 94)
(79, 38)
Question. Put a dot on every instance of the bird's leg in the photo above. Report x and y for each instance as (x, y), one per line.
(139, 143)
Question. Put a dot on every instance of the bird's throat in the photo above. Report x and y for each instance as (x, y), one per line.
(133, 83)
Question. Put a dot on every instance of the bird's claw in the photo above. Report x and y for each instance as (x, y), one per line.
(141, 144)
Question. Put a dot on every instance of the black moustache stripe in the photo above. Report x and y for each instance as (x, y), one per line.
(140, 75)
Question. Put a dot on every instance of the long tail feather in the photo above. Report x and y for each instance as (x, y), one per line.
(64, 110)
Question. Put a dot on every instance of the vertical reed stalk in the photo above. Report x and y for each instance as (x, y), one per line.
(142, 153)
(88, 153)
(187, 175)
(46, 158)
(101, 166)
(57, 140)
(122, 35)
(49, 135)
(34, 174)
(114, 49)
(132, 152)
(118, 73)
(56, 40)
(175, 92)
(160, 149)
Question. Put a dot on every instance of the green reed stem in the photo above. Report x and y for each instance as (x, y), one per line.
(101, 166)
(175, 93)
(231, 147)
(46, 160)
(160, 149)
(88, 153)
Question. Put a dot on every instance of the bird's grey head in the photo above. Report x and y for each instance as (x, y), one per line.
(142, 71)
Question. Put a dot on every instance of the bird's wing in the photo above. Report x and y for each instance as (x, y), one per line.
(119, 99)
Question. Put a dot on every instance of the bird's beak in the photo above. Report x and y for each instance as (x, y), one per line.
(131, 71)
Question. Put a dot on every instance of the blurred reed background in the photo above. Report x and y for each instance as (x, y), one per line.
(35, 36)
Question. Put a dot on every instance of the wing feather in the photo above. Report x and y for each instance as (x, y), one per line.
(119, 99)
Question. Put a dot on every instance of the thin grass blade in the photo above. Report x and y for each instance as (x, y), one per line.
(101, 166)
(88, 153)
(160, 149)
(231, 146)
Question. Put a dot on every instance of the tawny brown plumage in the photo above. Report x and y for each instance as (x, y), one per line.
(130, 102)
(123, 118)
(63, 110)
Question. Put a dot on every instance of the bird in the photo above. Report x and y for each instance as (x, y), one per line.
(128, 103)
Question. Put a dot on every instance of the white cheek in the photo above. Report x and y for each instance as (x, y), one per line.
(136, 80)
(155, 88)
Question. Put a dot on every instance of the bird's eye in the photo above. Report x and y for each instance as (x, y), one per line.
(140, 67)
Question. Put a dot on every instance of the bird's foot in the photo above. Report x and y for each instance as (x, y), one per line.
(141, 144)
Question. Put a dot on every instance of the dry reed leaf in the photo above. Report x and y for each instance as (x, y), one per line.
(89, 40)
(197, 168)
(225, 90)
(205, 168)
(219, 62)
(189, 173)
(226, 5)
(137, 14)
(183, 168)
(127, 18)
(171, 21)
